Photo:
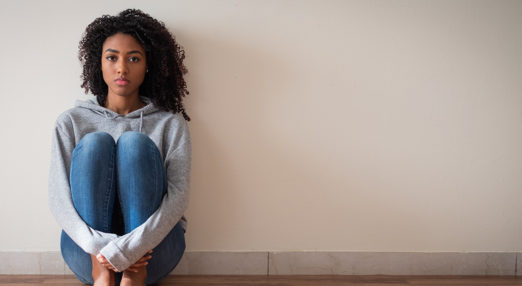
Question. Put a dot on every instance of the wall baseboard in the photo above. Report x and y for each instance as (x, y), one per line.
(301, 263)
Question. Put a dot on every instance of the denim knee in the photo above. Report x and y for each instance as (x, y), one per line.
(95, 141)
(134, 141)
(133, 137)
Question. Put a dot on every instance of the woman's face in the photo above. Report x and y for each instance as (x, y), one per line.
(123, 65)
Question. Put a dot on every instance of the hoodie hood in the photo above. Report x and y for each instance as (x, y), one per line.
(92, 105)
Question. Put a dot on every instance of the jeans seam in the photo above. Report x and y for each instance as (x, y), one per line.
(151, 147)
(110, 179)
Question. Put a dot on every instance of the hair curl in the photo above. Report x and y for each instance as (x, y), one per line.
(163, 84)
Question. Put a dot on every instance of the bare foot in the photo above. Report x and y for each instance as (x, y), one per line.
(101, 275)
(130, 278)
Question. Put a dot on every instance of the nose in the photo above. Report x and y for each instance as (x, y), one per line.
(122, 67)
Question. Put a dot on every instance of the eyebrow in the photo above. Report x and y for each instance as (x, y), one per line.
(117, 52)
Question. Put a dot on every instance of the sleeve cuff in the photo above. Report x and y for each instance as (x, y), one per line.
(115, 257)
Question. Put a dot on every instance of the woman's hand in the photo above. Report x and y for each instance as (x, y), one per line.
(134, 267)
(140, 263)
(103, 261)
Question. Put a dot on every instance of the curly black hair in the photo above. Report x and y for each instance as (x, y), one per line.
(163, 84)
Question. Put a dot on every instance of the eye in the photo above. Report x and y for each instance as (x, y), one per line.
(111, 58)
(134, 59)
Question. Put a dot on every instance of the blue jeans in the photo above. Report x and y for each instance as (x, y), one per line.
(115, 187)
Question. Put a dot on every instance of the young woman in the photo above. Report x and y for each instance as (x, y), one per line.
(120, 162)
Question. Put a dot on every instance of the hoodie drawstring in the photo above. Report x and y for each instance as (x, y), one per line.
(141, 120)
(93, 105)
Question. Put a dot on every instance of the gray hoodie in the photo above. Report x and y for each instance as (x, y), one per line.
(170, 133)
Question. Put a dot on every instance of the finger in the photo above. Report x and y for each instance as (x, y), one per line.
(102, 260)
(144, 259)
(108, 265)
(148, 253)
(139, 265)
(134, 269)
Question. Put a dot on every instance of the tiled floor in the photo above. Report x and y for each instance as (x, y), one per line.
(299, 263)
(298, 280)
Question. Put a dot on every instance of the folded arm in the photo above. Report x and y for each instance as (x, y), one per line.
(60, 198)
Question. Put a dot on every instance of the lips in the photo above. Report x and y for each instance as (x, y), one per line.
(121, 81)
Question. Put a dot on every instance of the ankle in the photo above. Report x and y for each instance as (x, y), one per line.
(130, 278)
(101, 275)
(104, 280)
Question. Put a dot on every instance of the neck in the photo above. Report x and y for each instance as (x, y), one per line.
(123, 105)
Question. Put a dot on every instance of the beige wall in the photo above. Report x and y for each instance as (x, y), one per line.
(317, 125)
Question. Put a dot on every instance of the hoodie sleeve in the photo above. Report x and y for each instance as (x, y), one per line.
(60, 199)
(127, 249)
